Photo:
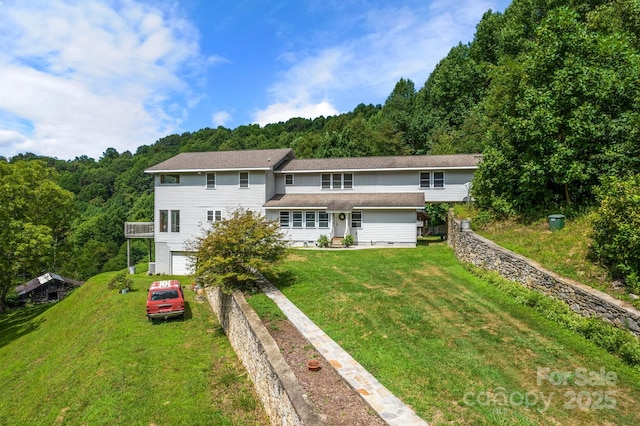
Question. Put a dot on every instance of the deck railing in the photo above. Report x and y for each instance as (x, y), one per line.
(138, 230)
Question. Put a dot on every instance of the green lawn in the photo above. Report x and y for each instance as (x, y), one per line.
(94, 359)
(450, 345)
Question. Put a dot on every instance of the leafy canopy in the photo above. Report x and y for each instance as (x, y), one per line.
(34, 220)
(234, 249)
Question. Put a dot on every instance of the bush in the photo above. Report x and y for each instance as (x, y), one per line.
(323, 241)
(616, 229)
(347, 241)
(120, 282)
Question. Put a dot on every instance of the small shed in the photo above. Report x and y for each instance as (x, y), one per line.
(46, 288)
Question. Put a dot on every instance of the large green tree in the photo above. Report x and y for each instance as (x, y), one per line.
(35, 214)
(561, 114)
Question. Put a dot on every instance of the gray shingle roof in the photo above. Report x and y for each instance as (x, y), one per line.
(347, 202)
(378, 163)
(223, 160)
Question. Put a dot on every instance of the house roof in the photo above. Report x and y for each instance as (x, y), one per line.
(42, 280)
(334, 202)
(417, 162)
(258, 159)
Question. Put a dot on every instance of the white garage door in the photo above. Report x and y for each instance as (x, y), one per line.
(180, 264)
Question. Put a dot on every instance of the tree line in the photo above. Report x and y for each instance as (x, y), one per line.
(548, 92)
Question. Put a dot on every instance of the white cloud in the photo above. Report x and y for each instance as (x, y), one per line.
(220, 118)
(277, 112)
(395, 42)
(87, 76)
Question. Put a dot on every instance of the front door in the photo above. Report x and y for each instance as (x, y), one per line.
(340, 224)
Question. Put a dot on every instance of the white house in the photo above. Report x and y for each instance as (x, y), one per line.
(374, 199)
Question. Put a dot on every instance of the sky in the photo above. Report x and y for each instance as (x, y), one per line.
(80, 76)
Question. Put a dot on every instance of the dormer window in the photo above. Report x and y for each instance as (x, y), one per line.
(170, 179)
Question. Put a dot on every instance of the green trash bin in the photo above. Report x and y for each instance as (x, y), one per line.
(556, 221)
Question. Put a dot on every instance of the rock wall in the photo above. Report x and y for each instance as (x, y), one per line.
(477, 250)
(276, 385)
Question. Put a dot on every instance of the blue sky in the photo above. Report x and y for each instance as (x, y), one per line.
(80, 76)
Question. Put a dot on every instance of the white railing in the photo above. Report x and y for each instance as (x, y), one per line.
(138, 230)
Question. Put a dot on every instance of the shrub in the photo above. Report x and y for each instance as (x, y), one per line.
(323, 241)
(120, 282)
(616, 229)
(234, 252)
(347, 241)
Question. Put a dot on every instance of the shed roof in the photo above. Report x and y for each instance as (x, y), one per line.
(417, 162)
(346, 202)
(258, 159)
(42, 280)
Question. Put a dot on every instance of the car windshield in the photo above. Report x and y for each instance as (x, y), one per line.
(164, 294)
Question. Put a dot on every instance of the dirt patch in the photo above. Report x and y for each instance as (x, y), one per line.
(332, 398)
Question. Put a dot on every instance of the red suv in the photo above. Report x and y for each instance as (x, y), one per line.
(165, 300)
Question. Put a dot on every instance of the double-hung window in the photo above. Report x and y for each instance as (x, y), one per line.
(288, 179)
(438, 179)
(211, 181)
(356, 219)
(214, 215)
(425, 180)
(244, 179)
(337, 181)
(310, 219)
(323, 220)
(326, 181)
(284, 219)
(297, 219)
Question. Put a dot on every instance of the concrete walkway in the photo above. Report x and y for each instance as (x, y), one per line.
(389, 408)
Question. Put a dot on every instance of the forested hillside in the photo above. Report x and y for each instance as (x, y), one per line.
(549, 92)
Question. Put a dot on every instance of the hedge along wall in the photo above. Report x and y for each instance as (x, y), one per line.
(275, 383)
(477, 250)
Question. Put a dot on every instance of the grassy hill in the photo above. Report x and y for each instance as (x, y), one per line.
(94, 358)
(454, 346)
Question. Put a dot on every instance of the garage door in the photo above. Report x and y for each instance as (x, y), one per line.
(181, 264)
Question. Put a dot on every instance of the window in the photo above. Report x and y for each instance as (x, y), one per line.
(326, 181)
(310, 219)
(164, 220)
(214, 215)
(211, 181)
(297, 219)
(169, 179)
(347, 181)
(244, 179)
(425, 180)
(356, 219)
(288, 179)
(175, 220)
(438, 179)
(284, 219)
(323, 220)
(337, 180)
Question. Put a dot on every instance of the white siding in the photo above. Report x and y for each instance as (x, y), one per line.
(192, 198)
(386, 226)
(384, 182)
(378, 227)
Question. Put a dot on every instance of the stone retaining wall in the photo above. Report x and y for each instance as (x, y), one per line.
(275, 383)
(477, 250)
